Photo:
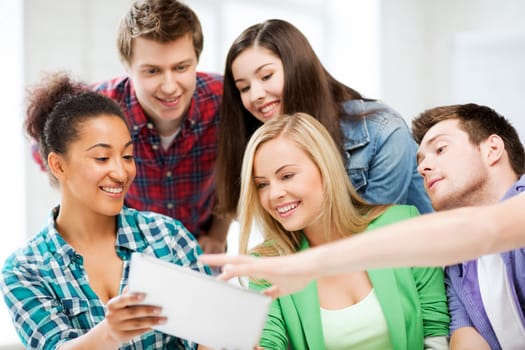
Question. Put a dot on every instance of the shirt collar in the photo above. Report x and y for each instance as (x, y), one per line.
(517, 187)
(62, 251)
(65, 254)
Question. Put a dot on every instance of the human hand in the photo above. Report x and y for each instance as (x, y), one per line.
(127, 317)
(286, 274)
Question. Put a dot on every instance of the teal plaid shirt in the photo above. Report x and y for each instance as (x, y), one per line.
(46, 288)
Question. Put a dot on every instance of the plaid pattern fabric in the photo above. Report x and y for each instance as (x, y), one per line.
(46, 288)
(178, 182)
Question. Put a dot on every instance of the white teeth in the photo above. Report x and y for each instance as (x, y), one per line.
(268, 108)
(286, 208)
(115, 190)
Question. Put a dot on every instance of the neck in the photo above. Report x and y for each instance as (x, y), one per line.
(81, 228)
(167, 128)
(498, 183)
(318, 235)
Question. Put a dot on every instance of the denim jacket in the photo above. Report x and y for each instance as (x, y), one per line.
(381, 155)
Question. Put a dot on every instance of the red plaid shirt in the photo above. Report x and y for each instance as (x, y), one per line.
(179, 181)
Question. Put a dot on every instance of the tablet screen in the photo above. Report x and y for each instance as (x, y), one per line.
(199, 307)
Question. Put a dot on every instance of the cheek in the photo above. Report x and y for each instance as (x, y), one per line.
(277, 87)
(143, 86)
(132, 171)
(263, 200)
(246, 102)
(189, 80)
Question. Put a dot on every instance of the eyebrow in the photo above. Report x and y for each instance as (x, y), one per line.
(276, 171)
(429, 142)
(257, 70)
(184, 61)
(105, 145)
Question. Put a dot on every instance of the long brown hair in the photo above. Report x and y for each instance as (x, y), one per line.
(308, 88)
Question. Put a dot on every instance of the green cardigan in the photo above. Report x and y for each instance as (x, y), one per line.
(413, 301)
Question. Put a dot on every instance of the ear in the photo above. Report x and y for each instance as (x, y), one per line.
(55, 163)
(493, 149)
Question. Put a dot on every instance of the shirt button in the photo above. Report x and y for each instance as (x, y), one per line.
(155, 147)
(135, 127)
(168, 174)
(170, 205)
(150, 126)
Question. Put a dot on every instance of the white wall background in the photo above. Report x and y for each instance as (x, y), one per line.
(414, 54)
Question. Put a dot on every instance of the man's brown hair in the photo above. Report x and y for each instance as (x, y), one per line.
(479, 122)
(158, 20)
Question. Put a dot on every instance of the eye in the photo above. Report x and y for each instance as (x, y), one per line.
(288, 176)
(151, 71)
(101, 159)
(267, 77)
(128, 157)
(244, 89)
(441, 149)
(181, 68)
(260, 185)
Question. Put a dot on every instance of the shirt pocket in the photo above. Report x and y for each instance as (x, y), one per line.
(358, 177)
(78, 312)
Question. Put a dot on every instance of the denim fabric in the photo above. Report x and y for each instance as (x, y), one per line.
(381, 155)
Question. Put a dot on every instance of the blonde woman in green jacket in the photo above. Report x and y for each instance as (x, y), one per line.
(295, 188)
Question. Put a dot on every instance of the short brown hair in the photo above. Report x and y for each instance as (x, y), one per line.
(479, 122)
(158, 20)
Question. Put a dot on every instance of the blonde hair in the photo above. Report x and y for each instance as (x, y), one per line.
(344, 210)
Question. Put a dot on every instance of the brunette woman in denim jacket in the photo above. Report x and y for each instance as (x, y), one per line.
(271, 69)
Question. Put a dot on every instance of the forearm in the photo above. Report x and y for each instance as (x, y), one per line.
(430, 240)
(96, 338)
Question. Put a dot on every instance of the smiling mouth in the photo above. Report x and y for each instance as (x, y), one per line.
(112, 190)
(432, 183)
(287, 208)
(169, 101)
(269, 109)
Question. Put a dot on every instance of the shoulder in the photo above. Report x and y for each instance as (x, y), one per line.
(375, 111)
(393, 214)
(32, 256)
(113, 88)
(366, 121)
(209, 84)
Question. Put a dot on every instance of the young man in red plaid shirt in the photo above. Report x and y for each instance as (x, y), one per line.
(173, 113)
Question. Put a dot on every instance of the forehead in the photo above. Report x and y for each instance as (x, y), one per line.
(253, 57)
(447, 128)
(106, 128)
(147, 51)
(274, 153)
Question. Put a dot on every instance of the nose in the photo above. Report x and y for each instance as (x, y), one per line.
(118, 171)
(169, 83)
(256, 92)
(276, 191)
(424, 166)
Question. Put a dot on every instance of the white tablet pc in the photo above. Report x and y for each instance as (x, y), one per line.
(200, 308)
